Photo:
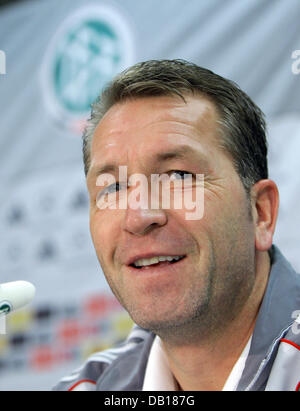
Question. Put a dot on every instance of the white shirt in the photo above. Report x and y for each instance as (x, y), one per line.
(158, 376)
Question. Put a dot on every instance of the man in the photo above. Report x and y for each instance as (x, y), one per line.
(214, 301)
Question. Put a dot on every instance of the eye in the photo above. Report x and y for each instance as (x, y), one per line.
(112, 188)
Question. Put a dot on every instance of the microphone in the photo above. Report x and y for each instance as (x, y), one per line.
(15, 295)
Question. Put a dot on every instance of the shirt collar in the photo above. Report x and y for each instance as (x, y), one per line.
(158, 376)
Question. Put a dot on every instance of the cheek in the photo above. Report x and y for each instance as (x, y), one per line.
(225, 217)
(102, 233)
(106, 233)
(229, 225)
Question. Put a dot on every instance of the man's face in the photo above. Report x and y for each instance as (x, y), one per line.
(216, 274)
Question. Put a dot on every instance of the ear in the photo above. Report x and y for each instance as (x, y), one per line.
(265, 202)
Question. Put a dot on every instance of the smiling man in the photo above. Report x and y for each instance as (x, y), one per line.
(213, 300)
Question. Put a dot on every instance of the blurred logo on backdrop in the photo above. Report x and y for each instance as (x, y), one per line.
(91, 46)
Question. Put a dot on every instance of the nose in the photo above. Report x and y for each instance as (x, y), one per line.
(141, 221)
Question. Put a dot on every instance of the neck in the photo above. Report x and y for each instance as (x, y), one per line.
(205, 363)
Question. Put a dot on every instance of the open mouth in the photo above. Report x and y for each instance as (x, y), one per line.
(159, 261)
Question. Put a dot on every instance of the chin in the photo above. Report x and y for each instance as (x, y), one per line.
(166, 323)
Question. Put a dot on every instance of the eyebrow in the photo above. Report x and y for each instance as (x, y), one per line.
(106, 168)
(173, 154)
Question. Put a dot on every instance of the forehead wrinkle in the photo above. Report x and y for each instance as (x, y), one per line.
(177, 148)
(179, 114)
(172, 153)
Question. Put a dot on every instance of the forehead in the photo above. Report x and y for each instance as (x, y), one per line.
(152, 121)
(163, 111)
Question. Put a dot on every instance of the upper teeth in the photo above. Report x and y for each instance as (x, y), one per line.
(154, 260)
